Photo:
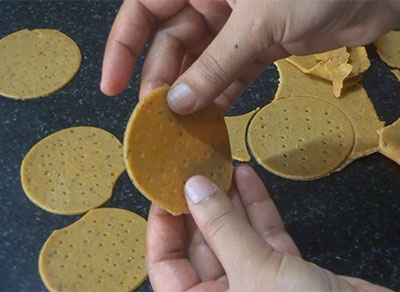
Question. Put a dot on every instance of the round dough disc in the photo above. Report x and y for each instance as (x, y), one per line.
(73, 170)
(36, 63)
(162, 150)
(300, 138)
(102, 251)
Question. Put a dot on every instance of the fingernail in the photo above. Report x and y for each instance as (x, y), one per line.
(198, 188)
(181, 98)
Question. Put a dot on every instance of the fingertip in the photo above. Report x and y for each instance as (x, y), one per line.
(248, 183)
(244, 171)
(182, 99)
(241, 166)
(224, 228)
(156, 210)
(113, 83)
(148, 86)
(117, 69)
(198, 188)
(108, 89)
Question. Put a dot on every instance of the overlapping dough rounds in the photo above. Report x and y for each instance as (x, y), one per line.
(354, 103)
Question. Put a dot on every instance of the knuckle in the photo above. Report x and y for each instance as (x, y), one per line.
(209, 7)
(216, 224)
(272, 232)
(264, 37)
(165, 36)
(212, 71)
(126, 47)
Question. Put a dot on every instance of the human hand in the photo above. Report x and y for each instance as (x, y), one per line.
(211, 50)
(235, 242)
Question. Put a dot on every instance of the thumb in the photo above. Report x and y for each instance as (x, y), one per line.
(225, 229)
(235, 47)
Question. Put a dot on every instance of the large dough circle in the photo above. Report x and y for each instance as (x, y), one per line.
(163, 150)
(300, 138)
(36, 63)
(73, 170)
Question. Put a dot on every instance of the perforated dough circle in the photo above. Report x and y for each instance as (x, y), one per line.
(162, 150)
(36, 63)
(102, 251)
(73, 170)
(300, 138)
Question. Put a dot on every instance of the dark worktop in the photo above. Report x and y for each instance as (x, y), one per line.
(347, 222)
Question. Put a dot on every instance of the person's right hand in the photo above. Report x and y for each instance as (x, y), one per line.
(221, 46)
(234, 242)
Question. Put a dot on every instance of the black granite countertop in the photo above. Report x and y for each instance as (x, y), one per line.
(347, 222)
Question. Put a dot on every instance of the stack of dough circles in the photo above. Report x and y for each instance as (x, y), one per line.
(36, 63)
(103, 251)
(300, 138)
(73, 170)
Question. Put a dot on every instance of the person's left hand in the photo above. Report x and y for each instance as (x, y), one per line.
(238, 244)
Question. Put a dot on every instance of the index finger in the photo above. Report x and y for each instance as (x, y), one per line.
(261, 210)
(128, 36)
(131, 28)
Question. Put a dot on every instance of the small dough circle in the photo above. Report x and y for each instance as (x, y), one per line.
(36, 63)
(102, 251)
(300, 138)
(73, 170)
(162, 150)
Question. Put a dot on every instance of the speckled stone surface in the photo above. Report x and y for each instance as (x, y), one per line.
(347, 222)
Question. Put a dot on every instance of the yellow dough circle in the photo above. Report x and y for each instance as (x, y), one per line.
(300, 138)
(102, 251)
(73, 170)
(354, 103)
(163, 150)
(36, 63)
